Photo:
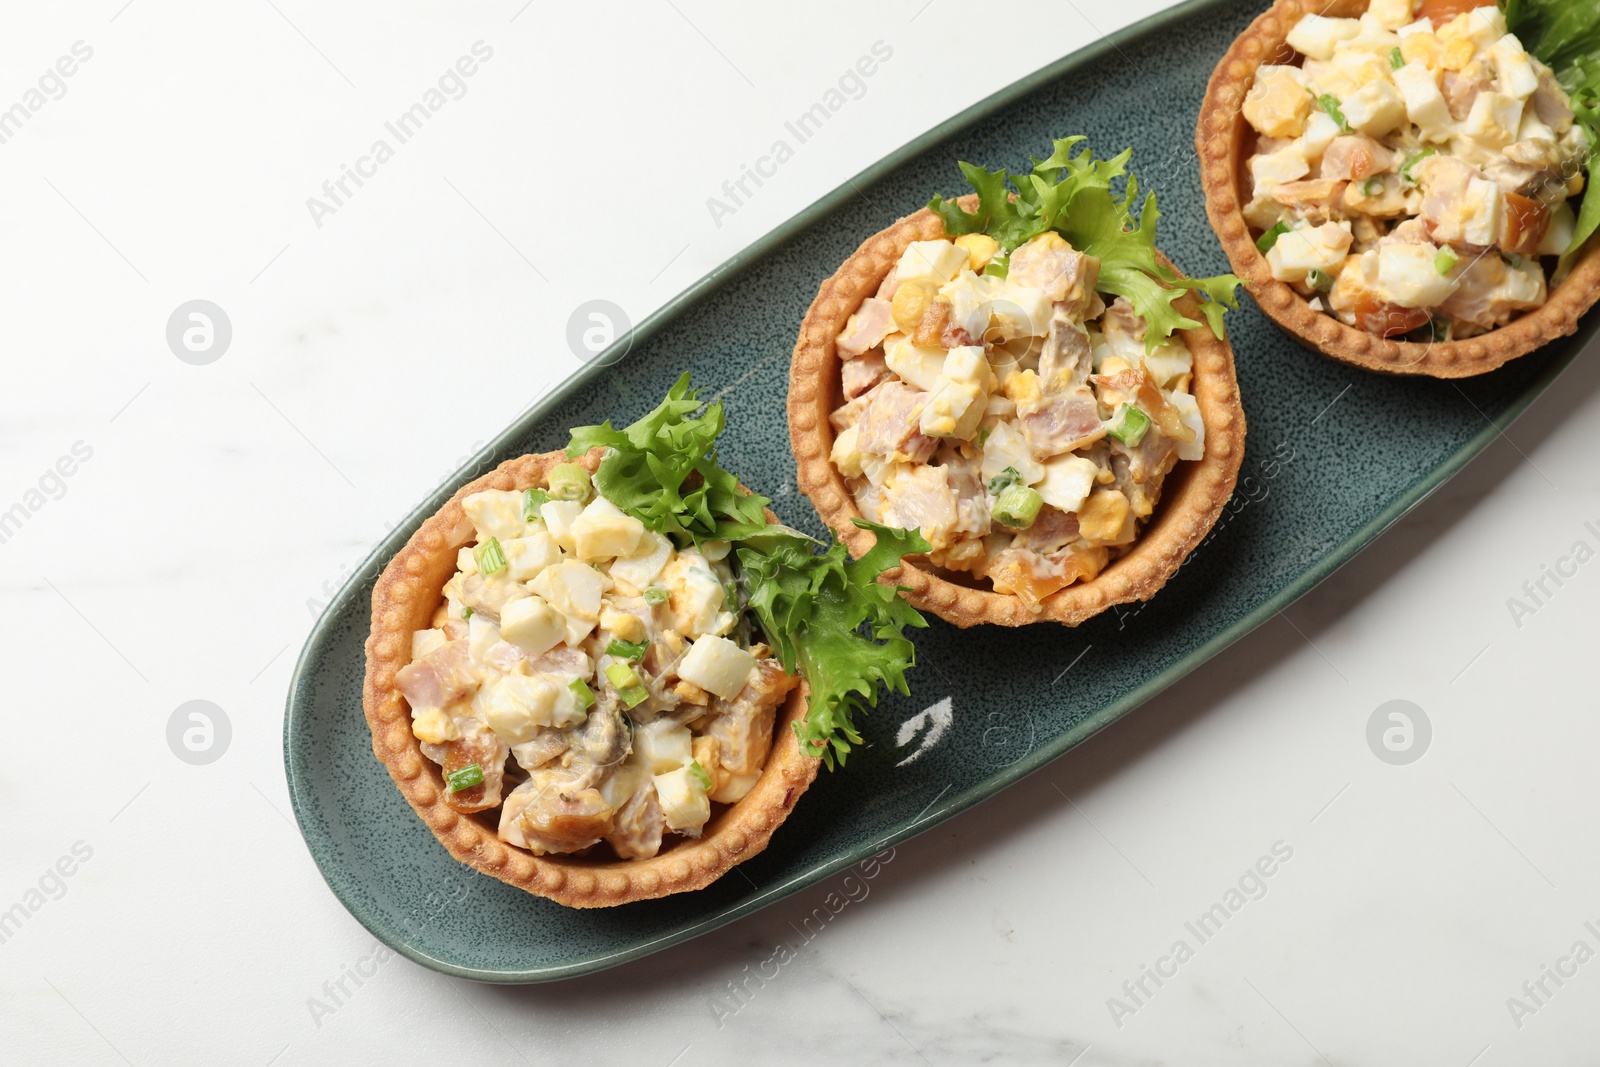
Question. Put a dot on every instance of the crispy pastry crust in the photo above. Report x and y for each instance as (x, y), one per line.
(1192, 498)
(404, 600)
(1220, 140)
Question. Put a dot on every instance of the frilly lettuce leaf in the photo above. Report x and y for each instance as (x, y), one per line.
(1072, 194)
(824, 614)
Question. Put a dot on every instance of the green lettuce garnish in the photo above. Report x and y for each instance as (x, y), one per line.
(1565, 36)
(1073, 196)
(824, 614)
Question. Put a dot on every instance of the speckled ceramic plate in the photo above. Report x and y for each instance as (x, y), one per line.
(1335, 455)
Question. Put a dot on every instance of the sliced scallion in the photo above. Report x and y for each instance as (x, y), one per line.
(1396, 60)
(1018, 507)
(582, 695)
(656, 595)
(1330, 103)
(1405, 168)
(1270, 238)
(1131, 427)
(700, 775)
(1005, 479)
(632, 651)
(532, 501)
(465, 778)
(1445, 260)
(1319, 280)
(568, 481)
(491, 557)
(622, 675)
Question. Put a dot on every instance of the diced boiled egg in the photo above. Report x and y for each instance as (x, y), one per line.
(1494, 119)
(532, 625)
(1376, 108)
(572, 588)
(1407, 276)
(970, 296)
(434, 727)
(495, 513)
(1189, 414)
(717, 665)
(1390, 14)
(1320, 132)
(1168, 362)
(1425, 104)
(846, 455)
(734, 787)
(697, 596)
(662, 745)
(518, 705)
(424, 642)
(1005, 447)
(1298, 252)
(920, 366)
(527, 556)
(625, 624)
(1317, 36)
(1513, 72)
(684, 803)
(643, 566)
(603, 531)
(466, 560)
(1067, 481)
(1287, 164)
(481, 634)
(559, 516)
(1021, 311)
(1277, 103)
(937, 261)
(1481, 28)
(1558, 234)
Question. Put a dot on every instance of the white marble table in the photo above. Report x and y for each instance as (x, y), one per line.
(189, 517)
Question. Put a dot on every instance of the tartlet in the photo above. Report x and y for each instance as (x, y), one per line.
(1225, 143)
(635, 643)
(1192, 498)
(406, 596)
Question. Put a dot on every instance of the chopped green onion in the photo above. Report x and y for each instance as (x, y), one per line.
(1018, 507)
(1439, 327)
(998, 266)
(1405, 168)
(582, 695)
(1396, 60)
(491, 557)
(1371, 187)
(1512, 260)
(1004, 480)
(656, 595)
(622, 675)
(466, 613)
(631, 651)
(634, 695)
(465, 778)
(1131, 427)
(700, 775)
(983, 435)
(1319, 280)
(532, 501)
(1270, 238)
(568, 481)
(1329, 103)
(1446, 259)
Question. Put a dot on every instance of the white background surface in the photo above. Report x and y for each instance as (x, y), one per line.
(372, 354)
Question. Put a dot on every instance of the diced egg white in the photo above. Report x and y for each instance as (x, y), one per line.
(1005, 447)
(1189, 413)
(1317, 36)
(936, 261)
(517, 706)
(920, 366)
(1494, 119)
(481, 635)
(559, 516)
(717, 665)
(495, 513)
(662, 745)
(643, 566)
(1287, 164)
(1376, 108)
(684, 804)
(532, 625)
(1021, 311)
(1067, 481)
(697, 595)
(603, 531)
(1425, 104)
(1407, 276)
(527, 556)
(424, 642)
(1298, 252)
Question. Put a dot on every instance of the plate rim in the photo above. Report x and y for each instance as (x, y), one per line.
(945, 805)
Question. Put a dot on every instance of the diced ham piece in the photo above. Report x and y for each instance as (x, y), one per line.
(1355, 157)
(1460, 90)
(890, 423)
(850, 413)
(1550, 103)
(636, 832)
(1139, 388)
(1066, 358)
(867, 328)
(1052, 531)
(1489, 292)
(438, 679)
(1063, 422)
(862, 373)
(480, 745)
(920, 497)
(742, 727)
(890, 283)
(554, 812)
(1065, 274)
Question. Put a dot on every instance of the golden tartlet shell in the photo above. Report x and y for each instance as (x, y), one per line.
(1221, 137)
(407, 593)
(1192, 496)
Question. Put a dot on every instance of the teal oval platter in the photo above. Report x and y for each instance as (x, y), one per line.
(1333, 457)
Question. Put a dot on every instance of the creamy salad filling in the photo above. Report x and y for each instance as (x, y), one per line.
(993, 401)
(1411, 172)
(588, 677)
